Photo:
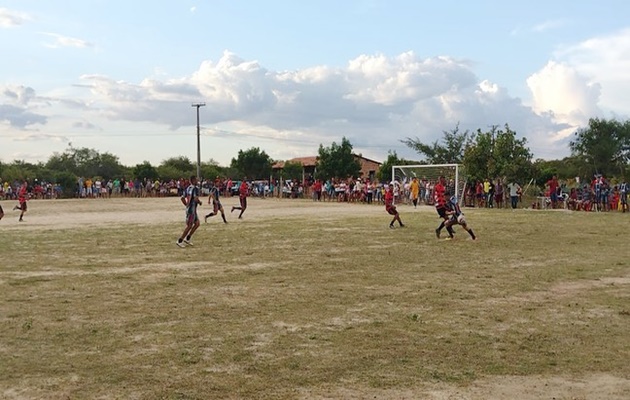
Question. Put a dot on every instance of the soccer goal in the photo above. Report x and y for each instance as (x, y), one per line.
(427, 176)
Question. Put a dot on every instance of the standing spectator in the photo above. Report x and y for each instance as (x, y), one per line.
(514, 189)
(317, 190)
(498, 193)
(553, 186)
(623, 196)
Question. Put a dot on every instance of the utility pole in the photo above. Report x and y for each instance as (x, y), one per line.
(198, 141)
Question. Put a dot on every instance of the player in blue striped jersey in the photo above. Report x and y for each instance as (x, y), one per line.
(456, 216)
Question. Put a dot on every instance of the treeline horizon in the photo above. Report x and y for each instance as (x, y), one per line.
(603, 147)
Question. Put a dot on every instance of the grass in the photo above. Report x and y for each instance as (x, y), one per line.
(286, 306)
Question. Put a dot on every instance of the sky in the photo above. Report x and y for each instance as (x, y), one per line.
(287, 76)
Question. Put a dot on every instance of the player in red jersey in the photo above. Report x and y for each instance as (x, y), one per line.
(390, 207)
(22, 198)
(243, 192)
(440, 206)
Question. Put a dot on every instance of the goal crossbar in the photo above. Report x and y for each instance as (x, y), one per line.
(454, 173)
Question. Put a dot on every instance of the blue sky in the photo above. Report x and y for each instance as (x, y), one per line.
(287, 76)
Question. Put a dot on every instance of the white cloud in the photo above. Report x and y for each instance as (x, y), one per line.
(10, 19)
(560, 89)
(375, 101)
(605, 60)
(549, 25)
(66, 41)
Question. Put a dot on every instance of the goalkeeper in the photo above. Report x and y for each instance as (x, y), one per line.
(456, 216)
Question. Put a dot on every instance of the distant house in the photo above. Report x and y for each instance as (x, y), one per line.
(368, 167)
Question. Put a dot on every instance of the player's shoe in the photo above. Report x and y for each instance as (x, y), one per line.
(188, 242)
(205, 219)
(402, 225)
(180, 244)
(391, 226)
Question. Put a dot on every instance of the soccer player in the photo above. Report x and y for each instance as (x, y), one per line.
(1, 212)
(243, 191)
(390, 207)
(216, 203)
(190, 199)
(22, 198)
(441, 207)
(456, 216)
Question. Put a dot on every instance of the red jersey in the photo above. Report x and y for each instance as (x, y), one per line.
(243, 189)
(389, 199)
(439, 193)
(22, 194)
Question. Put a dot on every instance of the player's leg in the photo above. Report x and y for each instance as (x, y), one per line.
(23, 208)
(1, 212)
(188, 239)
(189, 225)
(468, 229)
(243, 207)
(223, 214)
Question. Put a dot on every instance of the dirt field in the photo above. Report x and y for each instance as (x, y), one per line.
(306, 328)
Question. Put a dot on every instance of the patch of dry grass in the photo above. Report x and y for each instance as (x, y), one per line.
(313, 301)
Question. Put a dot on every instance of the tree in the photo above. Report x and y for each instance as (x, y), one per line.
(450, 151)
(292, 170)
(498, 153)
(87, 163)
(176, 167)
(384, 173)
(337, 161)
(252, 163)
(145, 171)
(604, 146)
(211, 169)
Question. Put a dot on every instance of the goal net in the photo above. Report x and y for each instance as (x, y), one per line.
(427, 176)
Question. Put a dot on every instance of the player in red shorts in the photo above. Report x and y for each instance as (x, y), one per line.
(243, 191)
(22, 198)
(390, 207)
(441, 207)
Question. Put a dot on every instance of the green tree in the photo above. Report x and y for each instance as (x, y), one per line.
(68, 182)
(604, 146)
(176, 167)
(384, 173)
(337, 161)
(450, 151)
(86, 162)
(211, 169)
(292, 170)
(252, 163)
(498, 153)
(145, 171)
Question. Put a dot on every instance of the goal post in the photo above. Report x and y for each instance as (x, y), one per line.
(427, 176)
